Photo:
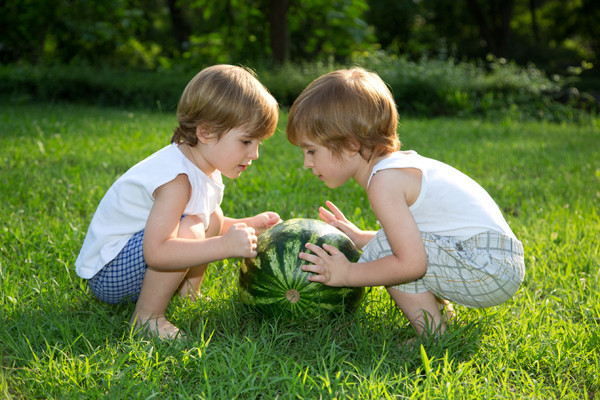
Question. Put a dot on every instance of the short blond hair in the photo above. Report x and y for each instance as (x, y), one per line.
(223, 97)
(345, 108)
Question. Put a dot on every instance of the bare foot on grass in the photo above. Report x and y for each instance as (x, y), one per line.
(156, 326)
(447, 310)
(192, 295)
(190, 290)
(448, 317)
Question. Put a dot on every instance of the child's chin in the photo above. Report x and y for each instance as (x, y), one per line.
(333, 185)
(232, 175)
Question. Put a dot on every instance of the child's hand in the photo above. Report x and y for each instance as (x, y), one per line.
(264, 221)
(337, 219)
(329, 265)
(241, 240)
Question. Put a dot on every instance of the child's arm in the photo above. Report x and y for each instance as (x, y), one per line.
(164, 250)
(260, 222)
(336, 218)
(389, 193)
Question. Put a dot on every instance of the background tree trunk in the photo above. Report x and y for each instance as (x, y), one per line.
(534, 26)
(181, 28)
(494, 25)
(279, 30)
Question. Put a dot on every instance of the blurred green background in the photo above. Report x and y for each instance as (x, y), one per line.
(441, 57)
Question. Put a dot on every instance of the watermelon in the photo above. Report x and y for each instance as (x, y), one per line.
(274, 283)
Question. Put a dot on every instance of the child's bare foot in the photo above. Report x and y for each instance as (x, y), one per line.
(191, 290)
(156, 326)
(193, 294)
(449, 314)
(447, 310)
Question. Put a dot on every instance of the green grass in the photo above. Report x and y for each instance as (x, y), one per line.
(57, 341)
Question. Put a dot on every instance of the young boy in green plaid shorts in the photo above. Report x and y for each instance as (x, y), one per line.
(443, 238)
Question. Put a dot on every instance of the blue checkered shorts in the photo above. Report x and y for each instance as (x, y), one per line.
(121, 279)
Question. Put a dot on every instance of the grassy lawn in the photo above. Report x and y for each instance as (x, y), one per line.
(58, 341)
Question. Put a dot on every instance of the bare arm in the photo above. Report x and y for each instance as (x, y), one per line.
(388, 194)
(164, 250)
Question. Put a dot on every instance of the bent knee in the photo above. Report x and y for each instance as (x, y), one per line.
(215, 226)
(191, 227)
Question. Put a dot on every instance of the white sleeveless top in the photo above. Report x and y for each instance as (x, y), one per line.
(124, 209)
(450, 203)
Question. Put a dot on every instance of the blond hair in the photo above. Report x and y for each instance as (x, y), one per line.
(343, 109)
(223, 97)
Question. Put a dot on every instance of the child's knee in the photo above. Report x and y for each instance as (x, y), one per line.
(216, 223)
(191, 227)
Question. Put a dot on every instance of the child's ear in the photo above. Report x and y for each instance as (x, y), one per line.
(202, 134)
(354, 147)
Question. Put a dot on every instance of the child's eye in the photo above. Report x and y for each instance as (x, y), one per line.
(310, 152)
(246, 142)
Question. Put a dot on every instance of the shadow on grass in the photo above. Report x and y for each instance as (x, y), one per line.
(362, 340)
(373, 339)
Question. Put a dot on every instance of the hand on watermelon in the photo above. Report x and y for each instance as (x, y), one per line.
(329, 265)
(337, 219)
(263, 221)
(241, 240)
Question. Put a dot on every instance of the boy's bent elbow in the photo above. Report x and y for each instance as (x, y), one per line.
(408, 270)
(420, 271)
(154, 258)
(419, 268)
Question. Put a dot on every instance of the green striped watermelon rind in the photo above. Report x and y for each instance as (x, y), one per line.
(271, 291)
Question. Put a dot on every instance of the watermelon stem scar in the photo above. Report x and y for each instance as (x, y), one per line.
(292, 295)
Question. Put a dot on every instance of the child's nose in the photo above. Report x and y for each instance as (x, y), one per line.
(253, 153)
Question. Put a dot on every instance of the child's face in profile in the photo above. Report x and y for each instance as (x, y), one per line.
(232, 154)
(331, 169)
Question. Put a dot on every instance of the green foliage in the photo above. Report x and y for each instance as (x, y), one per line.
(218, 27)
(444, 87)
(122, 33)
(287, 81)
(557, 35)
(58, 342)
(428, 87)
(550, 41)
(337, 30)
(87, 85)
(67, 30)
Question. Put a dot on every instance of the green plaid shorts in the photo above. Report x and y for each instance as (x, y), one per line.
(482, 271)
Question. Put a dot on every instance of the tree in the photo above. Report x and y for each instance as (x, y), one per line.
(493, 19)
(328, 29)
(67, 30)
(556, 34)
(394, 22)
(279, 34)
(24, 26)
(180, 25)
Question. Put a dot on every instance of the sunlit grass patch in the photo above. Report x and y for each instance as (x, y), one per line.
(58, 341)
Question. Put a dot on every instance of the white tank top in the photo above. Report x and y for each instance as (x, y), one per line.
(124, 209)
(450, 203)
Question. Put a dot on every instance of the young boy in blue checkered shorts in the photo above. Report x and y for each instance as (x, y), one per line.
(160, 224)
(443, 239)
